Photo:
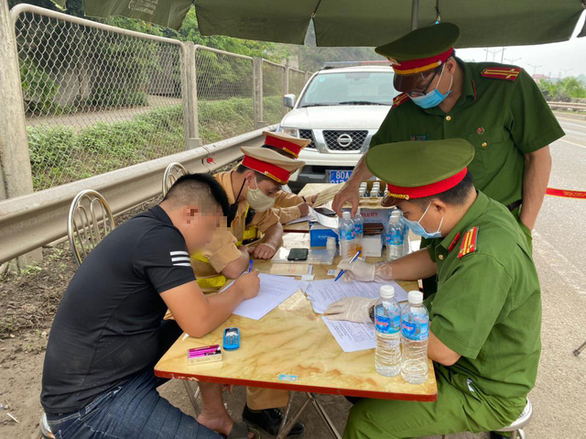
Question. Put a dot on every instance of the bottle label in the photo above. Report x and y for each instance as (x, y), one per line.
(347, 234)
(358, 229)
(394, 237)
(418, 330)
(386, 325)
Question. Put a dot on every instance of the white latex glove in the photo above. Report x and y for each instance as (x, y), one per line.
(352, 309)
(359, 270)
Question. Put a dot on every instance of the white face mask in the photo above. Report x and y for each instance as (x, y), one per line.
(258, 200)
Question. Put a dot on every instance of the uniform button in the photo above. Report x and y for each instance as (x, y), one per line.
(441, 257)
(484, 144)
(448, 118)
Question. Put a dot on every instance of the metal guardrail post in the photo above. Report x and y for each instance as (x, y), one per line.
(15, 165)
(189, 89)
(257, 92)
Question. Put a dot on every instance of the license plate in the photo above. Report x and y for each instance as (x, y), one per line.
(339, 176)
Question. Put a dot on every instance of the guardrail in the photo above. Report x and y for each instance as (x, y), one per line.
(31, 221)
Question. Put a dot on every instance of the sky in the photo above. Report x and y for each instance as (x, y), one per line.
(566, 59)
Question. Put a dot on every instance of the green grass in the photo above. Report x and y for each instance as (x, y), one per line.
(59, 154)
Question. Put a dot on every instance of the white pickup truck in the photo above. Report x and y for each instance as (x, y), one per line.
(339, 110)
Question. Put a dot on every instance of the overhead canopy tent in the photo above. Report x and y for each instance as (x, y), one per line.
(361, 22)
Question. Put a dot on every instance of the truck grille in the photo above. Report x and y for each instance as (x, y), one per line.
(345, 140)
(306, 134)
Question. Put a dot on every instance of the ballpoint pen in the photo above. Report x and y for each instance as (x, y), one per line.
(341, 273)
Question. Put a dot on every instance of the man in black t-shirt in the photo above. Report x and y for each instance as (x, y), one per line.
(108, 333)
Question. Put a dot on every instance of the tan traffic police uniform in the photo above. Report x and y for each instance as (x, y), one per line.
(223, 248)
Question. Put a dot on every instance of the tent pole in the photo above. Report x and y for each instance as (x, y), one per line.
(414, 13)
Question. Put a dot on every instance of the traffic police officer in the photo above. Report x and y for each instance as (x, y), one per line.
(289, 206)
(497, 108)
(251, 188)
(486, 315)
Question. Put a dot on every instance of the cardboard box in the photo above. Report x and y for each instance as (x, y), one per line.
(372, 245)
(318, 235)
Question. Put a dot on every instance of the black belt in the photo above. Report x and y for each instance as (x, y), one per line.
(514, 205)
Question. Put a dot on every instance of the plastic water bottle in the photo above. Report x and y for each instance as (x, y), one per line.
(414, 337)
(394, 232)
(347, 236)
(358, 230)
(387, 320)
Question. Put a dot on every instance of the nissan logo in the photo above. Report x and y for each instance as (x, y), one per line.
(344, 140)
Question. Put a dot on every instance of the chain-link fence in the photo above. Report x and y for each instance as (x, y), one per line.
(273, 87)
(296, 81)
(96, 99)
(224, 94)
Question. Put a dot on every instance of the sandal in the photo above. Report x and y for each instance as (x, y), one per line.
(240, 430)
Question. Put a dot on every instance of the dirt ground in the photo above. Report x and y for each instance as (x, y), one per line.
(28, 302)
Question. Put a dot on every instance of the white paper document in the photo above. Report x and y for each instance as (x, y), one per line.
(323, 293)
(352, 336)
(274, 290)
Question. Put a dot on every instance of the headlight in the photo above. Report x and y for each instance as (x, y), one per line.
(291, 131)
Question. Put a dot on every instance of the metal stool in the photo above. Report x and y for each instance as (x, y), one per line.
(172, 173)
(90, 219)
(44, 427)
(516, 428)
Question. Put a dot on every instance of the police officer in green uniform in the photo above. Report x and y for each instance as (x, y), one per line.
(486, 315)
(498, 109)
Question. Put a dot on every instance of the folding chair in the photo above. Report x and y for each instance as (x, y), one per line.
(172, 173)
(90, 220)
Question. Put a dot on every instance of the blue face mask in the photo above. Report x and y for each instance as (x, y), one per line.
(433, 98)
(418, 229)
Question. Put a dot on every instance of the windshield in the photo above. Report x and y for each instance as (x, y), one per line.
(352, 88)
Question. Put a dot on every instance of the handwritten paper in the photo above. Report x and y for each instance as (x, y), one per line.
(274, 290)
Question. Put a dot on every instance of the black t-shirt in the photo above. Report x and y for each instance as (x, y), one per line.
(106, 327)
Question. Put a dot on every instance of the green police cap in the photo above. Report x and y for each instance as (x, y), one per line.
(414, 55)
(418, 169)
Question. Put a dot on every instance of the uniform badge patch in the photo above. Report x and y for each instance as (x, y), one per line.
(402, 98)
(508, 73)
(480, 130)
(420, 137)
(468, 242)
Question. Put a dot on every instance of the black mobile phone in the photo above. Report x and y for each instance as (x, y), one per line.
(325, 211)
(297, 254)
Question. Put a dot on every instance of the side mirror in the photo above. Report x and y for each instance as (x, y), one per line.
(289, 100)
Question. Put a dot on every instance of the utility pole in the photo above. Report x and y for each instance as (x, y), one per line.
(502, 55)
(534, 68)
(494, 52)
(512, 60)
(566, 71)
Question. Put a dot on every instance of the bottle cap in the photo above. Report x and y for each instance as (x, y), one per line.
(346, 215)
(387, 291)
(415, 297)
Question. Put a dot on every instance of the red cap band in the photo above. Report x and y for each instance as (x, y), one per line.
(422, 64)
(290, 147)
(280, 175)
(428, 190)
